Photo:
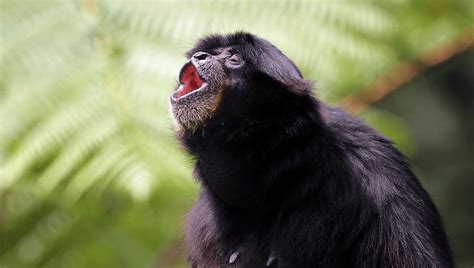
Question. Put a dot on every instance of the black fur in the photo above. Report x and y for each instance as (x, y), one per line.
(286, 176)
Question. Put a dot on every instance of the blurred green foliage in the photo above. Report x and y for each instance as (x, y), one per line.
(90, 175)
(438, 110)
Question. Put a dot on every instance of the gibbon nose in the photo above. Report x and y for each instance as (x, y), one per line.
(201, 56)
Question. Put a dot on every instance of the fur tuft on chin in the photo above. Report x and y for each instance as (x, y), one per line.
(193, 110)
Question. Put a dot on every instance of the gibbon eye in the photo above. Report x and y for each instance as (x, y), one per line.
(234, 61)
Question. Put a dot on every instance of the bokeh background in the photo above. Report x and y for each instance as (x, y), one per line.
(90, 175)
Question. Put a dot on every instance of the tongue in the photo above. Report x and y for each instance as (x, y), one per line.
(190, 80)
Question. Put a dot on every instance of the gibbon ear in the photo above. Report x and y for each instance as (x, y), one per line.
(271, 61)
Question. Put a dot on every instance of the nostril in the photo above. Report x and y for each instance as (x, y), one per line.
(201, 55)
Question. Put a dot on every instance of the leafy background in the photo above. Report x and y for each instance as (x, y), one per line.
(90, 175)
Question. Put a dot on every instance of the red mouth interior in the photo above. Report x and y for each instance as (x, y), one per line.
(190, 80)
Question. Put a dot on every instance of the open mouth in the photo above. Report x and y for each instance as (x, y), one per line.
(189, 81)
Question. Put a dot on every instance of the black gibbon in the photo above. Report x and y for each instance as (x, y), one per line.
(286, 180)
